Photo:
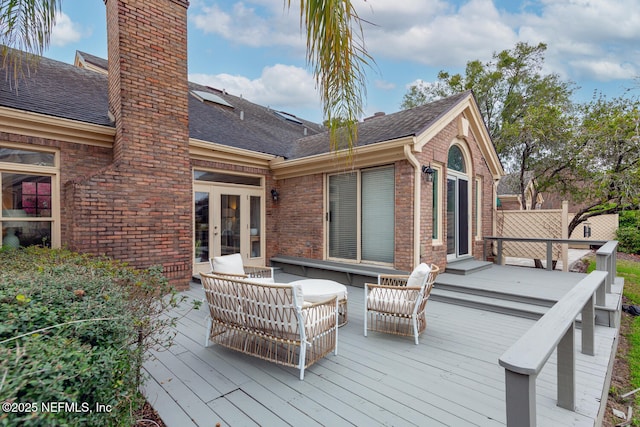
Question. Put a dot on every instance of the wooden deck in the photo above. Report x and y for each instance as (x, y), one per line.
(451, 378)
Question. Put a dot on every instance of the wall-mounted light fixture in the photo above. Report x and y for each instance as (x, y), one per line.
(427, 173)
(274, 194)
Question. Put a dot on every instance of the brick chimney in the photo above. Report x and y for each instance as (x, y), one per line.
(139, 209)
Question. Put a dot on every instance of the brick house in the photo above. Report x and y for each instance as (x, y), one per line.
(141, 165)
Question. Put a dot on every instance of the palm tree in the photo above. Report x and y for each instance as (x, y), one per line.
(25, 25)
(335, 52)
(337, 55)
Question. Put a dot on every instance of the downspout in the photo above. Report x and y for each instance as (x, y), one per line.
(416, 201)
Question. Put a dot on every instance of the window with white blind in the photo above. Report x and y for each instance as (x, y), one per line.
(361, 215)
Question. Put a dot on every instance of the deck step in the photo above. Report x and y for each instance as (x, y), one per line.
(450, 284)
(467, 266)
(448, 290)
(504, 306)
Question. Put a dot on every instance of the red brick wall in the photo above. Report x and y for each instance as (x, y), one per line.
(297, 219)
(139, 208)
(77, 162)
(436, 151)
(404, 229)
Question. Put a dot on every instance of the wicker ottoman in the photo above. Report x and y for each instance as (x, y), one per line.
(315, 290)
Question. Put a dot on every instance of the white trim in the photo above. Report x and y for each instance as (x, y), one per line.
(441, 212)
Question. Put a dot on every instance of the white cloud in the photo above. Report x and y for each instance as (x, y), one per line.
(255, 26)
(589, 39)
(604, 70)
(384, 85)
(279, 86)
(436, 33)
(65, 31)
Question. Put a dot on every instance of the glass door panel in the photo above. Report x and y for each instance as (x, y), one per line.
(255, 226)
(201, 226)
(451, 216)
(457, 217)
(230, 224)
(343, 216)
(228, 221)
(463, 217)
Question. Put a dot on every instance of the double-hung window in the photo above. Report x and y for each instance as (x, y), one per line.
(361, 215)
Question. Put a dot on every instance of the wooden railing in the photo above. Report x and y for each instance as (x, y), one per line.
(524, 360)
(549, 242)
(606, 260)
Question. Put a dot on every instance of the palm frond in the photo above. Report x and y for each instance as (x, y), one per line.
(338, 57)
(25, 31)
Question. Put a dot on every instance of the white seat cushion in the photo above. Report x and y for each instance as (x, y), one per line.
(261, 280)
(230, 264)
(417, 277)
(396, 301)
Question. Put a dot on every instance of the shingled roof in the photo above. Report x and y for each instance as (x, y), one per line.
(388, 127)
(63, 90)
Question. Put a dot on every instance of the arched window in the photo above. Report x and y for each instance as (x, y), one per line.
(455, 161)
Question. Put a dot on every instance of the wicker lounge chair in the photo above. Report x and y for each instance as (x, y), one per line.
(232, 265)
(396, 305)
(270, 321)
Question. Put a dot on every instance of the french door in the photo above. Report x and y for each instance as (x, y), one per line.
(458, 235)
(227, 221)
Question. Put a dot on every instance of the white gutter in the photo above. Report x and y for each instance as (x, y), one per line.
(416, 202)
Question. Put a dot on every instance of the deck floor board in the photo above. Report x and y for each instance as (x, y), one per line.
(451, 378)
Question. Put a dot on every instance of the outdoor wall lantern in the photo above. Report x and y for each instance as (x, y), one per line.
(427, 172)
(275, 194)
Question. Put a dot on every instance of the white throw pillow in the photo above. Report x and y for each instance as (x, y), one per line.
(417, 277)
(231, 264)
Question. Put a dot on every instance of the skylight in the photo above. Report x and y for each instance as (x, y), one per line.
(208, 96)
(289, 117)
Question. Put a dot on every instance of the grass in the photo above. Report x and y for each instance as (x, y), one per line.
(630, 271)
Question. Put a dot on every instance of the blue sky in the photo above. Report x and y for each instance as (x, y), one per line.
(255, 48)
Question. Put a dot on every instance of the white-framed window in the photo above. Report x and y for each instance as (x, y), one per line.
(361, 215)
(29, 185)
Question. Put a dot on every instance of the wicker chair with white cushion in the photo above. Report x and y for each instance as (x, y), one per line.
(232, 265)
(270, 321)
(396, 305)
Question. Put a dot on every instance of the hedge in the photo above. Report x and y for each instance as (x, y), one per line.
(74, 334)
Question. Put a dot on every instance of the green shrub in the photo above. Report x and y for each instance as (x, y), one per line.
(73, 336)
(629, 219)
(629, 239)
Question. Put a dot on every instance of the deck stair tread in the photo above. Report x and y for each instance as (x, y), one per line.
(505, 306)
(467, 266)
(526, 299)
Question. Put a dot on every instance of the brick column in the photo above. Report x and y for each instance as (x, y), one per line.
(139, 209)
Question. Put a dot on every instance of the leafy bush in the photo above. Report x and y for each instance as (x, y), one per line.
(628, 233)
(629, 238)
(629, 219)
(74, 333)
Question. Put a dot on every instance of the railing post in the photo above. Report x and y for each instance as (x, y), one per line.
(521, 399)
(589, 327)
(549, 255)
(602, 264)
(567, 370)
(500, 259)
